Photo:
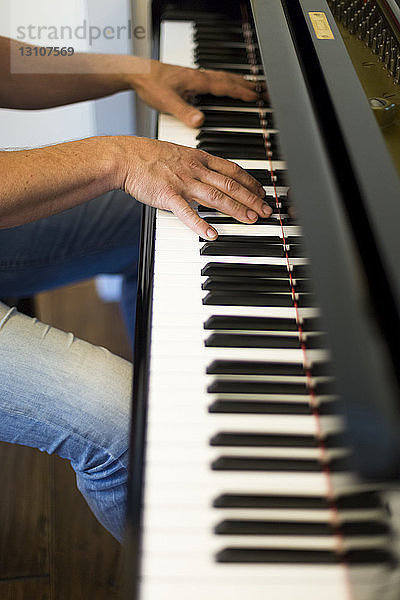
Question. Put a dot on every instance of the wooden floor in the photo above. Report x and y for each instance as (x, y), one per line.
(51, 547)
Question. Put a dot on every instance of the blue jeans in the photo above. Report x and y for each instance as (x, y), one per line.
(58, 393)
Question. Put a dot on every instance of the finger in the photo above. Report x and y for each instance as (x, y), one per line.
(233, 198)
(220, 83)
(214, 198)
(232, 170)
(189, 217)
(177, 106)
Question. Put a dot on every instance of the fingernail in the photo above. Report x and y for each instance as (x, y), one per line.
(211, 234)
(267, 210)
(252, 215)
(262, 192)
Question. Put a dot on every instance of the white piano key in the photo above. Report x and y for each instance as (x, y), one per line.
(226, 587)
(179, 233)
(169, 244)
(185, 543)
(161, 480)
(253, 354)
(240, 130)
(196, 416)
(266, 165)
(206, 516)
(209, 310)
(155, 454)
(181, 51)
(201, 493)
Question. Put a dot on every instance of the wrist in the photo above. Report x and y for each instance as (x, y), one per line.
(107, 159)
(134, 69)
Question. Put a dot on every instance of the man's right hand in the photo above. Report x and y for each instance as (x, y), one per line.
(171, 177)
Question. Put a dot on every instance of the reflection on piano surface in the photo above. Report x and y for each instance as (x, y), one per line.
(243, 483)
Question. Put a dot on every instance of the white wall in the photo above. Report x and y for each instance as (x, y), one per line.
(110, 116)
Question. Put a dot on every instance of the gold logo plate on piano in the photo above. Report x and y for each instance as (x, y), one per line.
(321, 26)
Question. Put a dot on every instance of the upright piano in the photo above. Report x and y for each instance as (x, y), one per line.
(265, 447)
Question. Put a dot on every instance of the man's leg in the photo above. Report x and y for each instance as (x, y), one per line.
(100, 236)
(65, 396)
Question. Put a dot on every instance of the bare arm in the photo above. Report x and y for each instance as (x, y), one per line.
(44, 181)
(41, 182)
(48, 81)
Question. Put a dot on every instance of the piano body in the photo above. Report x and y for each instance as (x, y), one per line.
(265, 424)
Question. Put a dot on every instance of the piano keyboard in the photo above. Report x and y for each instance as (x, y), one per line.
(247, 492)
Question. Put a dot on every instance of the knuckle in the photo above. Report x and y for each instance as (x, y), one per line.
(216, 196)
(202, 156)
(193, 164)
(231, 186)
(184, 212)
(253, 200)
(236, 170)
(167, 195)
(232, 207)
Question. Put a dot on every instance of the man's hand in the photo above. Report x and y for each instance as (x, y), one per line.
(171, 177)
(167, 88)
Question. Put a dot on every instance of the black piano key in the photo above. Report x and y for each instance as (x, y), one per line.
(228, 55)
(259, 408)
(212, 27)
(263, 176)
(265, 440)
(301, 528)
(356, 501)
(226, 340)
(226, 137)
(259, 555)
(272, 240)
(206, 38)
(271, 408)
(368, 499)
(242, 249)
(256, 387)
(240, 269)
(210, 100)
(315, 342)
(286, 465)
(331, 407)
(262, 501)
(252, 284)
(261, 323)
(234, 119)
(225, 44)
(363, 528)
(257, 299)
(203, 35)
(267, 387)
(224, 48)
(218, 220)
(225, 367)
(236, 151)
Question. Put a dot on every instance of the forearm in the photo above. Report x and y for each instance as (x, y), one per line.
(49, 81)
(41, 182)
